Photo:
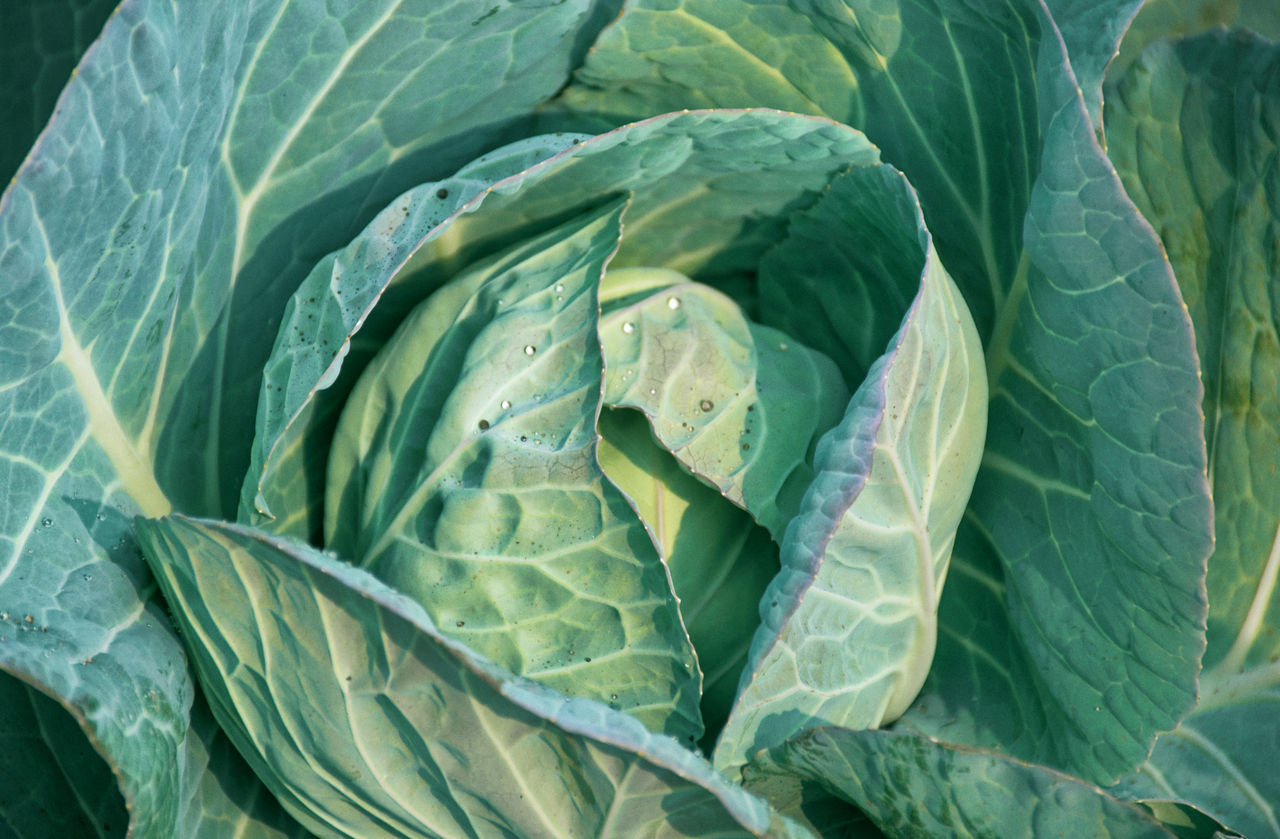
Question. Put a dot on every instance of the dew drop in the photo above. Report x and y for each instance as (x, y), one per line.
(484, 424)
(46, 522)
(673, 303)
(782, 347)
(530, 349)
(706, 405)
(746, 446)
(628, 327)
(653, 391)
(559, 288)
(442, 193)
(506, 405)
(613, 696)
(461, 623)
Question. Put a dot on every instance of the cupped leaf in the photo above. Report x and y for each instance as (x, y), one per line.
(1089, 352)
(1194, 128)
(283, 487)
(740, 405)
(202, 156)
(913, 786)
(849, 625)
(720, 561)
(464, 474)
(420, 735)
(711, 193)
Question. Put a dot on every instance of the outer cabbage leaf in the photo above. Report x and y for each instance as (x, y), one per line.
(464, 475)
(710, 193)
(1084, 331)
(740, 405)
(1194, 128)
(912, 786)
(202, 156)
(420, 736)
(849, 625)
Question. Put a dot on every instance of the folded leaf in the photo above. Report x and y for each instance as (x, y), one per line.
(1089, 353)
(318, 336)
(696, 195)
(420, 736)
(916, 786)
(464, 474)
(1192, 127)
(740, 405)
(720, 561)
(849, 625)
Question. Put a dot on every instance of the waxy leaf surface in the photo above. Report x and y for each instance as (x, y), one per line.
(849, 625)
(1194, 128)
(421, 736)
(464, 474)
(740, 405)
(1084, 332)
(914, 786)
(709, 193)
(201, 158)
(720, 561)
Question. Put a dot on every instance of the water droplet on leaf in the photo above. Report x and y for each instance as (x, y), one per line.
(673, 303)
(506, 405)
(530, 349)
(484, 424)
(706, 405)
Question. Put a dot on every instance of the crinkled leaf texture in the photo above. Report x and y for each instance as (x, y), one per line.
(849, 625)
(418, 735)
(1194, 128)
(464, 475)
(201, 159)
(711, 191)
(911, 786)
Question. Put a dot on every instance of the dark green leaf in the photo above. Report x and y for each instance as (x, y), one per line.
(1194, 127)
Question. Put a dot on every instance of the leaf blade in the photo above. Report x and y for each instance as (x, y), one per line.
(849, 626)
(480, 733)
